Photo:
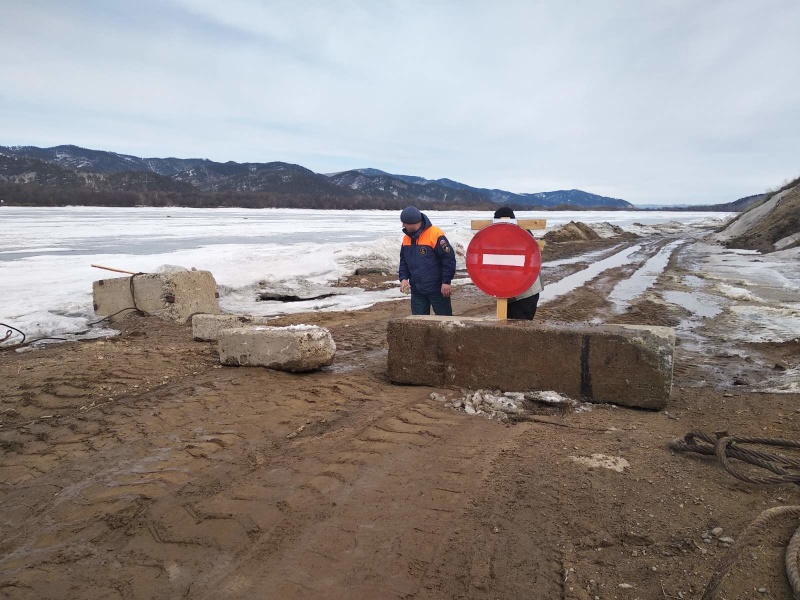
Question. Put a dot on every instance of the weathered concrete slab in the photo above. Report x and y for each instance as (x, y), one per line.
(621, 364)
(206, 328)
(295, 348)
(170, 296)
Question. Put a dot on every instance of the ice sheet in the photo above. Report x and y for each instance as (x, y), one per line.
(644, 277)
(587, 257)
(576, 280)
(764, 323)
(769, 278)
(702, 305)
(45, 253)
(745, 297)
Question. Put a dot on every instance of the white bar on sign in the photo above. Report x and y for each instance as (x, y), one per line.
(510, 260)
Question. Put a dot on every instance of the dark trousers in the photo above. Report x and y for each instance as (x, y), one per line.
(523, 309)
(421, 304)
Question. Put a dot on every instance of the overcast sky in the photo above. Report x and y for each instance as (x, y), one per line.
(671, 101)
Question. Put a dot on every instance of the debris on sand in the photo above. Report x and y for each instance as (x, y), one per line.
(496, 404)
(493, 405)
(614, 463)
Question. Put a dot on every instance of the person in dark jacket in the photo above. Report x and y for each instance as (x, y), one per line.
(427, 264)
(521, 307)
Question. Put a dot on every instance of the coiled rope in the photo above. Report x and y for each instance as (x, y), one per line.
(725, 447)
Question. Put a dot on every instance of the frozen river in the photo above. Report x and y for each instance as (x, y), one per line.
(45, 253)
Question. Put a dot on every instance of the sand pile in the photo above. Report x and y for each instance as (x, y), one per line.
(770, 226)
(572, 232)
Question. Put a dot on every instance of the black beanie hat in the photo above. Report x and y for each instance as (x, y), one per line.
(410, 215)
(504, 212)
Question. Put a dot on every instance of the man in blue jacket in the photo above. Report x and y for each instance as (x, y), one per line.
(427, 264)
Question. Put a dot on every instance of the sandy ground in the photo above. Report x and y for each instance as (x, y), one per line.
(138, 467)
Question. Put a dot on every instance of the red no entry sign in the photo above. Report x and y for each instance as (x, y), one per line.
(503, 260)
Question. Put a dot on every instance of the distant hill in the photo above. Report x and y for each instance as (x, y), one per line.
(740, 205)
(438, 189)
(381, 184)
(574, 198)
(24, 170)
(72, 168)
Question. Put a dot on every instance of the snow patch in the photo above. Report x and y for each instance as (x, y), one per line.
(786, 383)
(736, 293)
(764, 323)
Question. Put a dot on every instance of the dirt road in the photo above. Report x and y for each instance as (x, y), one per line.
(138, 467)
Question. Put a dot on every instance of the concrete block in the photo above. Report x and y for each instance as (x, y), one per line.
(171, 296)
(622, 364)
(294, 348)
(206, 328)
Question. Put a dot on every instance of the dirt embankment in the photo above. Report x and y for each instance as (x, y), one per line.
(772, 225)
(571, 232)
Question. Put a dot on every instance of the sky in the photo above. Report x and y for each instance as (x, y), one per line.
(656, 102)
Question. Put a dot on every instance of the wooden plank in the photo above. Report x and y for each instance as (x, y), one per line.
(113, 269)
(502, 309)
(541, 243)
(529, 224)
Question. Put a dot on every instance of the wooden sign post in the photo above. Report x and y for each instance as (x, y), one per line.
(502, 309)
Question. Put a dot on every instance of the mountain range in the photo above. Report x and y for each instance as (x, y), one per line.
(71, 167)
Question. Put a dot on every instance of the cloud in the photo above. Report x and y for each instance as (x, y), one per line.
(664, 101)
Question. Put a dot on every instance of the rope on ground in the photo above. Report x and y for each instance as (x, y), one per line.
(791, 561)
(725, 447)
(10, 331)
(111, 316)
(22, 344)
(760, 523)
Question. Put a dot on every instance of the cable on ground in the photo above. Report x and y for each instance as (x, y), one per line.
(23, 343)
(759, 524)
(725, 447)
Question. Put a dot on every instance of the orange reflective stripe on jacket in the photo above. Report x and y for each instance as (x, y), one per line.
(428, 237)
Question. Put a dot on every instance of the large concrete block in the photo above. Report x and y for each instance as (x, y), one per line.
(294, 348)
(170, 296)
(206, 328)
(621, 364)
